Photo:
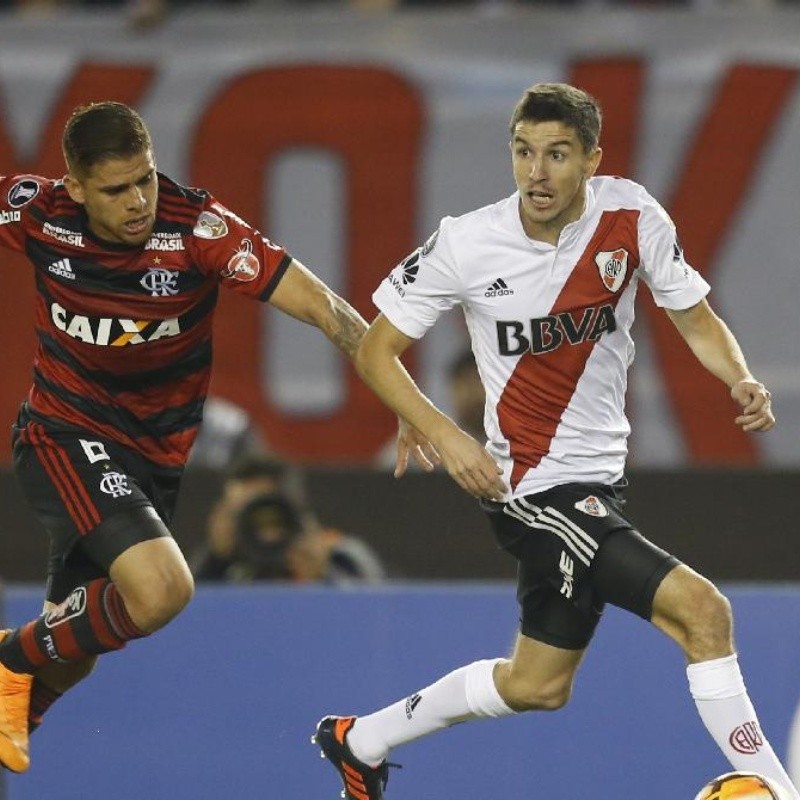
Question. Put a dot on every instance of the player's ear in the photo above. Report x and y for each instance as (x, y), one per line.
(74, 188)
(593, 162)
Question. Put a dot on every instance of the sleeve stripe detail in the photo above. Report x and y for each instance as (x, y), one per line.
(275, 279)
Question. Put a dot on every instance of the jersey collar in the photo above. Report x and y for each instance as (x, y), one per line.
(569, 231)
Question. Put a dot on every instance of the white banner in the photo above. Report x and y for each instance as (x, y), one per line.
(704, 109)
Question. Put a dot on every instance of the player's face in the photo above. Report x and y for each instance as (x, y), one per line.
(550, 169)
(120, 197)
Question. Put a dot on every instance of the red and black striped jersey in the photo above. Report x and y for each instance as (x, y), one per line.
(124, 333)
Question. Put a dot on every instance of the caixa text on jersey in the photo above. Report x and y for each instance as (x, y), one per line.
(548, 333)
(112, 331)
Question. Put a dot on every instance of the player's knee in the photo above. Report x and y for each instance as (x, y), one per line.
(550, 696)
(712, 619)
(160, 599)
(708, 623)
(716, 610)
(695, 614)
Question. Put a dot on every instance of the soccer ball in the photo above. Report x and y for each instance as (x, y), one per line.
(742, 786)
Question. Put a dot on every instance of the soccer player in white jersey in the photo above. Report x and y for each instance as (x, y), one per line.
(546, 279)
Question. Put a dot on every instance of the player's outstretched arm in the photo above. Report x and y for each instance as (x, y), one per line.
(716, 348)
(304, 296)
(467, 462)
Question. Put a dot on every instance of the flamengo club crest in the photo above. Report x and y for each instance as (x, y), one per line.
(115, 484)
(613, 266)
(160, 282)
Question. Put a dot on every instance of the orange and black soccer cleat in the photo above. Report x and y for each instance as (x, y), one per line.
(15, 695)
(361, 782)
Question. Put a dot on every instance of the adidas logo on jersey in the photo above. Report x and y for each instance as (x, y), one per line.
(498, 289)
(62, 268)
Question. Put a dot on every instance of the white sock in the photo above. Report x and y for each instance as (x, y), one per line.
(721, 698)
(467, 693)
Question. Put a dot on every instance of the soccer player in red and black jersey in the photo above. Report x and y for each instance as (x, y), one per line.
(128, 266)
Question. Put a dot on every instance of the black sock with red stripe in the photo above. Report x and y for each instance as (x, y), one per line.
(42, 697)
(92, 620)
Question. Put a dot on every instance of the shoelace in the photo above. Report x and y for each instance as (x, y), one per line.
(383, 771)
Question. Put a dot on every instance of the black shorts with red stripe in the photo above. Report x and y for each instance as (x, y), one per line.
(90, 494)
(576, 552)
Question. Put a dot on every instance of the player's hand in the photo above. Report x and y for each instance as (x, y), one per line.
(756, 403)
(470, 465)
(411, 443)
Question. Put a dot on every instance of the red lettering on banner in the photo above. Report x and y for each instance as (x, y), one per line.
(373, 119)
(720, 169)
(90, 82)
(617, 83)
(722, 162)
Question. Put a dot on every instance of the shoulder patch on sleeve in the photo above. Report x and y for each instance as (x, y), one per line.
(22, 192)
(210, 226)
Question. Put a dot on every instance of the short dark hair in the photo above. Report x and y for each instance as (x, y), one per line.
(560, 102)
(99, 131)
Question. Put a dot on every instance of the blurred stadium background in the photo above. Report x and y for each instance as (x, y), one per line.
(346, 131)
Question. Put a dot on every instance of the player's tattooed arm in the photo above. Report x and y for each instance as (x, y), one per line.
(304, 296)
(344, 326)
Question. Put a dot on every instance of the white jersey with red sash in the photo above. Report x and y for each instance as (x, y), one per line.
(550, 325)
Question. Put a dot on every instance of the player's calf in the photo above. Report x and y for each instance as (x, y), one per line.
(92, 620)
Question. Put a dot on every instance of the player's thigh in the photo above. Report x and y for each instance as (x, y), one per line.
(629, 569)
(91, 502)
(558, 537)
